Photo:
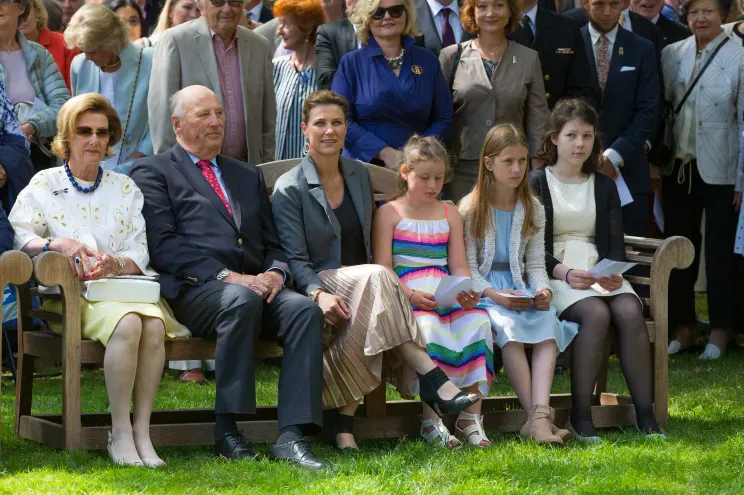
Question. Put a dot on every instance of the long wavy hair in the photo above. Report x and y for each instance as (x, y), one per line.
(478, 201)
(563, 113)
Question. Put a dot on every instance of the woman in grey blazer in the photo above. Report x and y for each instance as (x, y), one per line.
(323, 210)
(495, 81)
(708, 170)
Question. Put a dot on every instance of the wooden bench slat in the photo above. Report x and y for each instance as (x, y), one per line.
(638, 280)
(640, 259)
(45, 315)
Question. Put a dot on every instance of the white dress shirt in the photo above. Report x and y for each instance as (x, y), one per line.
(255, 12)
(532, 14)
(454, 18)
(217, 172)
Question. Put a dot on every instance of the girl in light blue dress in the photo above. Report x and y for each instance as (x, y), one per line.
(505, 246)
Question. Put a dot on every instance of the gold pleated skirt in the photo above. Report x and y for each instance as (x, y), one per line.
(381, 320)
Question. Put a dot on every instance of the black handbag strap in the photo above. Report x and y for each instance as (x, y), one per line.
(700, 74)
(454, 68)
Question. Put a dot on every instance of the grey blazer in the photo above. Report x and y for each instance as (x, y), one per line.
(185, 56)
(515, 95)
(719, 106)
(308, 230)
(526, 254)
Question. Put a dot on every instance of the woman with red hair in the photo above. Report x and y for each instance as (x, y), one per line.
(294, 74)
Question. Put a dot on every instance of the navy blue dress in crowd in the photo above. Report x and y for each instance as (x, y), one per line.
(385, 109)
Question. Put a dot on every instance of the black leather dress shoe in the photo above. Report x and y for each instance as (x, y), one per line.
(297, 451)
(233, 446)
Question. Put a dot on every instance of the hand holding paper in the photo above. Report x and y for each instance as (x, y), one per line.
(607, 268)
(450, 287)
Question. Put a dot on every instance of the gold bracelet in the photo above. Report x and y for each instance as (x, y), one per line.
(410, 294)
(122, 266)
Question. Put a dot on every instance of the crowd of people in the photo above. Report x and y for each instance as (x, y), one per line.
(129, 142)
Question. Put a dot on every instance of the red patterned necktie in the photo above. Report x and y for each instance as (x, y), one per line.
(603, 60)
(211, 177)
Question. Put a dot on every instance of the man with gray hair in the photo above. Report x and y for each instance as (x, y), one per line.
(212, 239)
(235, 63)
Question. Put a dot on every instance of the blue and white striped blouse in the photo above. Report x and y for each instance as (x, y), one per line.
(291, 88)
(8, 120)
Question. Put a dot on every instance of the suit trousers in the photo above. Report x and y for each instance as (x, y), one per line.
(463, 180)
(635, 216)
(237, 317)
(683, 202)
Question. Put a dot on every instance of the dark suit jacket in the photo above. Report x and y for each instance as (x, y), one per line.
(559, 45)
(609, 236)
(334, 40)
(190, 235)
(15, 159)
(670, 31)
(266, 15)
(630, 103)
(425, 23)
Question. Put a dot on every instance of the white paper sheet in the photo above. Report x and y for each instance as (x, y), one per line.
(658, 212)
(526, 294)
(607, 268)
(448, 288)
(622, 189)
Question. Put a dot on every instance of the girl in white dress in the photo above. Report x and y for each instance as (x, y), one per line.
(505, 247)
(584, 224)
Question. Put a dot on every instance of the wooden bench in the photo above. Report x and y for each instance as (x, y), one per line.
(375, 418)
(15, 269)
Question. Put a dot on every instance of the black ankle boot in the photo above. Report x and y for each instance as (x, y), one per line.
(429, 385)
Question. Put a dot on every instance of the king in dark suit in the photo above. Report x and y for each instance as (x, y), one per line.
(625, 82)
(212, 238)
(560, 47)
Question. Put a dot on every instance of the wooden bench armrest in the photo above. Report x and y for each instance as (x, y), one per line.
(15, 268)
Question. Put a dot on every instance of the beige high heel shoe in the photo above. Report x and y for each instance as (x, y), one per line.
(537, 426)
(118, 461)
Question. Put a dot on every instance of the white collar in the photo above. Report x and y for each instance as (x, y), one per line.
(256, 11)
(655, 20)
(437, 7)
(532, 14)
(596, 34)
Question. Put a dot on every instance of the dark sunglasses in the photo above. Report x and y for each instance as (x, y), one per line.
(221, 3)
(395, 12)
(86, 132)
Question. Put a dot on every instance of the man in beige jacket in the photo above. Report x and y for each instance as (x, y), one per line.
(235, 63)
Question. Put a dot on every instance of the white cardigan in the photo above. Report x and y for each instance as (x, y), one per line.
(525, 254)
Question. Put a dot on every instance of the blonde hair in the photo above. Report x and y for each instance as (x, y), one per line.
(70, 113)
(164, 20)
(362, 18)
(42, 16)
(479, 200)
(95, 28)
(421, 149)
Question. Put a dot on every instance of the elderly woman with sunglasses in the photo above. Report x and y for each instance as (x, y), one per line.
(394, 89)
(94, 218)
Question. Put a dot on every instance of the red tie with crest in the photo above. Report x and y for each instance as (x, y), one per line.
(208, 173)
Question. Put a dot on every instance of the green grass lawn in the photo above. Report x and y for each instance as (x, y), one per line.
(704, 453)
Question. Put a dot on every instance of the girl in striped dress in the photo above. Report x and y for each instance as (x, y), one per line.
(421, 240)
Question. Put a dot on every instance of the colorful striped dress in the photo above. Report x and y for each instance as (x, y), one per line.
(459, 341)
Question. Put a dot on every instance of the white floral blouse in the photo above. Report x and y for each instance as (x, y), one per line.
(108, 220)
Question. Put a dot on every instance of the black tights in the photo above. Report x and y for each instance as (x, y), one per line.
(594, 316)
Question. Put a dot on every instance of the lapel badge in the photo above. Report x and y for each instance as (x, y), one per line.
(416, 69)
(620, 51)
(514, 59)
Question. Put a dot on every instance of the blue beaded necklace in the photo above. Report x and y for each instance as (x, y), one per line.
(84, 190)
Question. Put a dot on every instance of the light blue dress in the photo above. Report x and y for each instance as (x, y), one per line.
(530, 326)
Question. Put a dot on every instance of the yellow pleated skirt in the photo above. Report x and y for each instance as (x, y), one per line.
(99, 319)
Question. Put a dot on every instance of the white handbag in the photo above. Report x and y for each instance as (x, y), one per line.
(124, 289)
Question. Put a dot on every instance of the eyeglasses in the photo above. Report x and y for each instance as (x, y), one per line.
(221, 3)
(86, 132)
(396, 11)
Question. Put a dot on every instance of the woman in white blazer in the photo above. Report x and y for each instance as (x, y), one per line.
(111, 65)
(708, 170)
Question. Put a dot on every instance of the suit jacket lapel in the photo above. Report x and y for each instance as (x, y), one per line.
(348, 36)
(193, 175)
(589, 47)
(543, 33)
(317, 192)
(355, 190)
(203, 40)
(426, 24)
(616, 61)
(231, 178)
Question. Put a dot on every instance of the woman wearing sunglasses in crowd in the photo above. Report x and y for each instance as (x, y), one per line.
(395, 89)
